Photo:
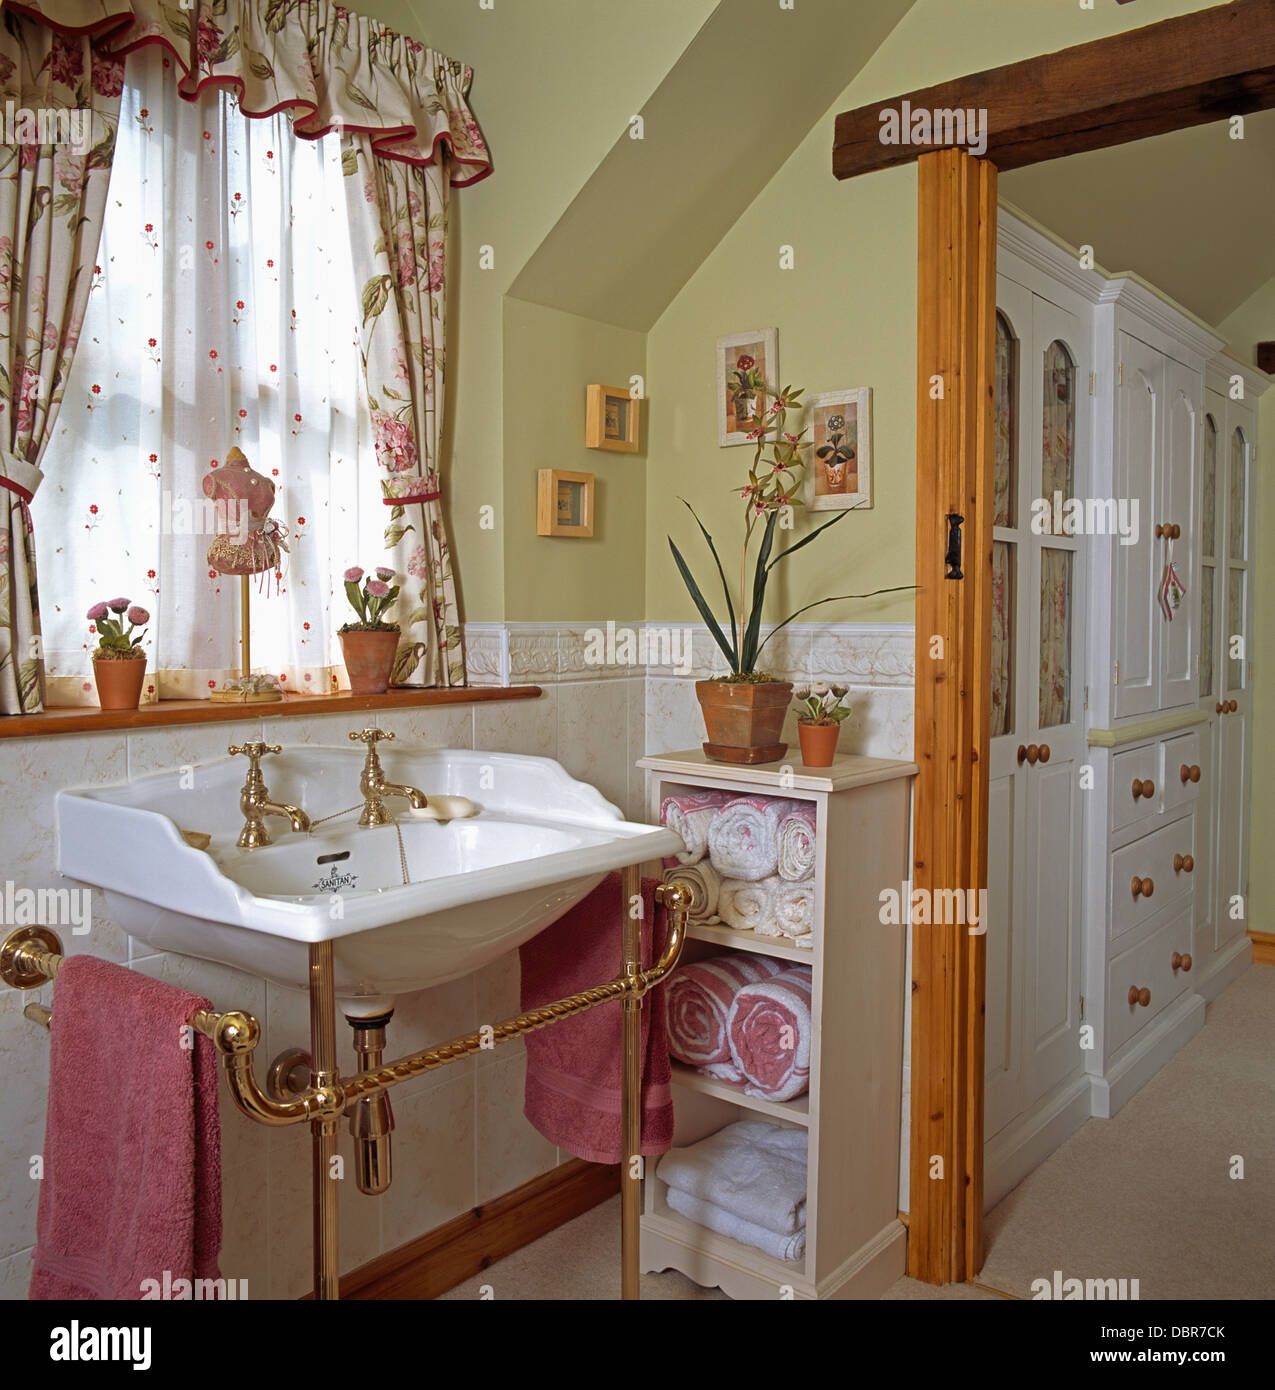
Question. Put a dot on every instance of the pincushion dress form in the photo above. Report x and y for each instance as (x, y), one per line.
(248, 541)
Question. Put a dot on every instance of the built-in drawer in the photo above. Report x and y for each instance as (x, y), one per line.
(1135, 782)
(1155, 971)
(1181, 770)
(1151, 873)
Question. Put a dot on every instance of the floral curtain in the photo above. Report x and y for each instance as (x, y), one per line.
(1058, 429)
(60, 102)
(398, 232)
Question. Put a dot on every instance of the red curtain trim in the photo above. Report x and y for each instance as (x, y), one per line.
(9, 485)
(410, 501)
(382, 137)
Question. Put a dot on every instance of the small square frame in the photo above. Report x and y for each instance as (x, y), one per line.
(550, 483)
(612, 419)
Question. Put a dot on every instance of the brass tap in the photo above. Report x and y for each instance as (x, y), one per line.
(254, 799)
(374, 788)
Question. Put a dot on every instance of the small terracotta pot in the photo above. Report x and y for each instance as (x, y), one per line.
(369, 659)
(744, 719)
(119, 683)
(818, 743)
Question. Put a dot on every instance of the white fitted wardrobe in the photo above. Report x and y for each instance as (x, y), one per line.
(1119, 719)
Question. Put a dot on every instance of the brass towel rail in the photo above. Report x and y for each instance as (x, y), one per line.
(31, 956)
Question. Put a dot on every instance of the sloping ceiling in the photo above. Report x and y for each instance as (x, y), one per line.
(740, 99)
(1192, 212)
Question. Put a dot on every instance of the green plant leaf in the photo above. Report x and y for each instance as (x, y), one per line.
(836, 598)
(730, 607)
(705, 611)
(355, 595)
(748, 656)
(805, 540)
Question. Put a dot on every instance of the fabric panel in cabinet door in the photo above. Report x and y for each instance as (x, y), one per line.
(1179, 636)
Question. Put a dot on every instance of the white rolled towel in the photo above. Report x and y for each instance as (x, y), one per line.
(752, 1169)
(690, 814)
(796, 851)
(705, 884)
(743, 838)
(749, 906)
(726, 1223)
(793, 908)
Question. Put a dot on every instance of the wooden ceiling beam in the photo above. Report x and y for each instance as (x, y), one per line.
(1197, 68)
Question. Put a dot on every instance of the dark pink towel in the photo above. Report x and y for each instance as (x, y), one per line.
(132, 1144)
(574, 1067)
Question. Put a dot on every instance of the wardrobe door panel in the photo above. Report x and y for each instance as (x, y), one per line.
(1175, 614)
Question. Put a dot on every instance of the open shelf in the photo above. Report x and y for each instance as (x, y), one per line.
(699, 1239)
(780, 947)
(794, 1111)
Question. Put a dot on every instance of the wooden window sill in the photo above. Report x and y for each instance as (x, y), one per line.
(84, 720)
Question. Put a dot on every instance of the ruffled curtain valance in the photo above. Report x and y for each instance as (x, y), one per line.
(327, 67)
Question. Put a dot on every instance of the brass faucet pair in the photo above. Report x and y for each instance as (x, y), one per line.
(255, 803)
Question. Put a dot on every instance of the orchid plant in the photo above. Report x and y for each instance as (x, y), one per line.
(820, 703)
(113, 643)
(773, 489)
(370, 601)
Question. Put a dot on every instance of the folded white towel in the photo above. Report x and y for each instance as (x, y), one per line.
(753, 1170)
(743, 839)
(704, 882)
(796, 848)
(749, 906)
(690, 814)
(793, 907)
(725, 1223)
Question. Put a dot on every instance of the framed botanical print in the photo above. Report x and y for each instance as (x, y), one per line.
(839, 466)
(564, 503)
(611, 419)
(746, 364)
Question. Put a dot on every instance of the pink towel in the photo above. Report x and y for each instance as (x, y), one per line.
(132, 1143)
(769, 1031)
(698, 1000)
(574, 1067)
(689, 814)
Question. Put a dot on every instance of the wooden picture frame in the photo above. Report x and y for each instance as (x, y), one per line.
(762, 346)
(840, 424)
(564, 503)
(612, 419)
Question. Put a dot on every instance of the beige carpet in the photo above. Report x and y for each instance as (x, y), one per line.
(1146, 1195)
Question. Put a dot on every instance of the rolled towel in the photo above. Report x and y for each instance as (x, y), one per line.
(769, 1030)
(793, 908)
(726, 1223)
(748, 906)
(704, 882)
(743, 839)
(796, 851)
(698, 999)
(753, 1170)
(689, 814)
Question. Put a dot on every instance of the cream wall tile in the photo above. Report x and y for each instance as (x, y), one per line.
(433, 1161)
(593, 735)
(245, 1253)
(424, 1019)
(635, 803)
(519, 726)
(24, 1057)
(158, 750)
(437, 726)
(15, 1276)
(319, 730)
(510, 1151)
(672, 718)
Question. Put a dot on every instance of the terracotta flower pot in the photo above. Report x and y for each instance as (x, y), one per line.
(744, 719)
(119, 682)
(818, 743)
(369, 659)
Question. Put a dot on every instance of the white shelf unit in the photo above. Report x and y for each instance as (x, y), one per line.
(855, 1242)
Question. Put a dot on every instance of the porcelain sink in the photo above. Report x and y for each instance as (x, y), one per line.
(475, 888)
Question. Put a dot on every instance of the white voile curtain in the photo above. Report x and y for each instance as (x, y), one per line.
(224, 312)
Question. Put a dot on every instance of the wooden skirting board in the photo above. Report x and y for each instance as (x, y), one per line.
(475, 1240)
(1263, 947)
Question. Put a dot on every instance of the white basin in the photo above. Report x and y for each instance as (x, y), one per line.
(476, 887)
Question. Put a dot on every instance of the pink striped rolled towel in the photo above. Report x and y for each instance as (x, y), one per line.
(743, 838)
(689, 814)
(769, 1031)
(796, 850)
(699, 997)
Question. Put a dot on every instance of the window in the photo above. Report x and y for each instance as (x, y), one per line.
(224, 313)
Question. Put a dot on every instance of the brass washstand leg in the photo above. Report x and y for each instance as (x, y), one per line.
(631, 1092)
(323, 1128)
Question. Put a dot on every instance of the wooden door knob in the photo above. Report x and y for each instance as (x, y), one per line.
(1176, 531)
(1022, 754)
(1232, 706)
(1189, 774)
(1181, 962)
(1044, 752)
(1188, 864)
(1220, 707)
(1032, 754)
(1177, 863)
(1143, 788)
(1142, 887)
(1139, 996)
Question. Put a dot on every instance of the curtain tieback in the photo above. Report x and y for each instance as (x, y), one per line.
(19, 476)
